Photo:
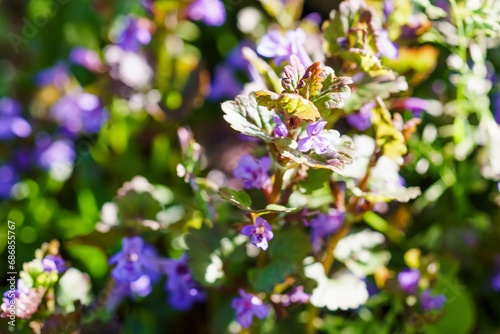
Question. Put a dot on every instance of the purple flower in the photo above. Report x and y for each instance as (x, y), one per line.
(133, 34)
(53, 155)
(235, 57)
(416, 105)
(496, 106)
(211, 12)
(314, 140)
(388, 8)
(430, 302)
(363, 119)
(22, 159)
(275, 45)
(8, 178)
(261, 233)
(53, 262)
(253, 172)
(324, 225)
(57, 75)
(23, 301)
(224, 84)
(247, 306)
(141, 287)
(495, 282)
(134, 260)
(280, 130)
(183, 290)
(297, 295)
(86, 58)
(408, 280)
(81, 112)
(11, 124)
(385, 46)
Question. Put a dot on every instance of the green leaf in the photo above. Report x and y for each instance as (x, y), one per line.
(334, 161)
(332, 95)
(293, 74)
(246, 117)
(264, 279)
(238, 198)
(391, 141)
(287, 250)
(243, 201)
(203, 243)
(289, 104)
(310, 83)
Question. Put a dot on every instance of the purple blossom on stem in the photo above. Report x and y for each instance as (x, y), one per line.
(183, 290)
(416, 105)
(408, 280)
(8, 178)
(211, 12)
(261, 233)
(363, 119)
(86, 58)
(54, 262)
(324, 225)
(387, 47)
(132, 261)
(388, 8)
(134, 34)
(314, 140)
(275, 45)
(280, 130)
(11, 124)
(224, 84)
(253, 172)
(57, 75)
(247, 306)
(495, 282)
(430, 302)
(81, 112)
(52, 155)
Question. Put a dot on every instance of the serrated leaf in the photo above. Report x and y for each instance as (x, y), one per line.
(334, 161)
(390, 141)
(332, 94)
(289, 104)
(247, 117)
(293, 73)
(310, 83)
(290, 245)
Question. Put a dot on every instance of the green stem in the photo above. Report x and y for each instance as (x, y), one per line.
(462, 41)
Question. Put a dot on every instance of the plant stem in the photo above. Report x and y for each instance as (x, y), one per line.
(329, 257)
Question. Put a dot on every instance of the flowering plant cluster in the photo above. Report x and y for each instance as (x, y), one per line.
(283, 166)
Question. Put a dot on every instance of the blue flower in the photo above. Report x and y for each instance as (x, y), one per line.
(416, 105)
(8, 178)
(133, 261)
(183, 290)
(324, 225)
(11, 124)
(280, 130)
(134, 34)
(261, 233)
(247, 306)
(211, 12)
(80, 112)
(363, 119)
(275, 45)
(385, 46)
(430, 302)
(54, 262)
(86, 58)
(314, 140)
(408, 280)
(253, 172)
(57, 75)
(224, 84)
(54, 155)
